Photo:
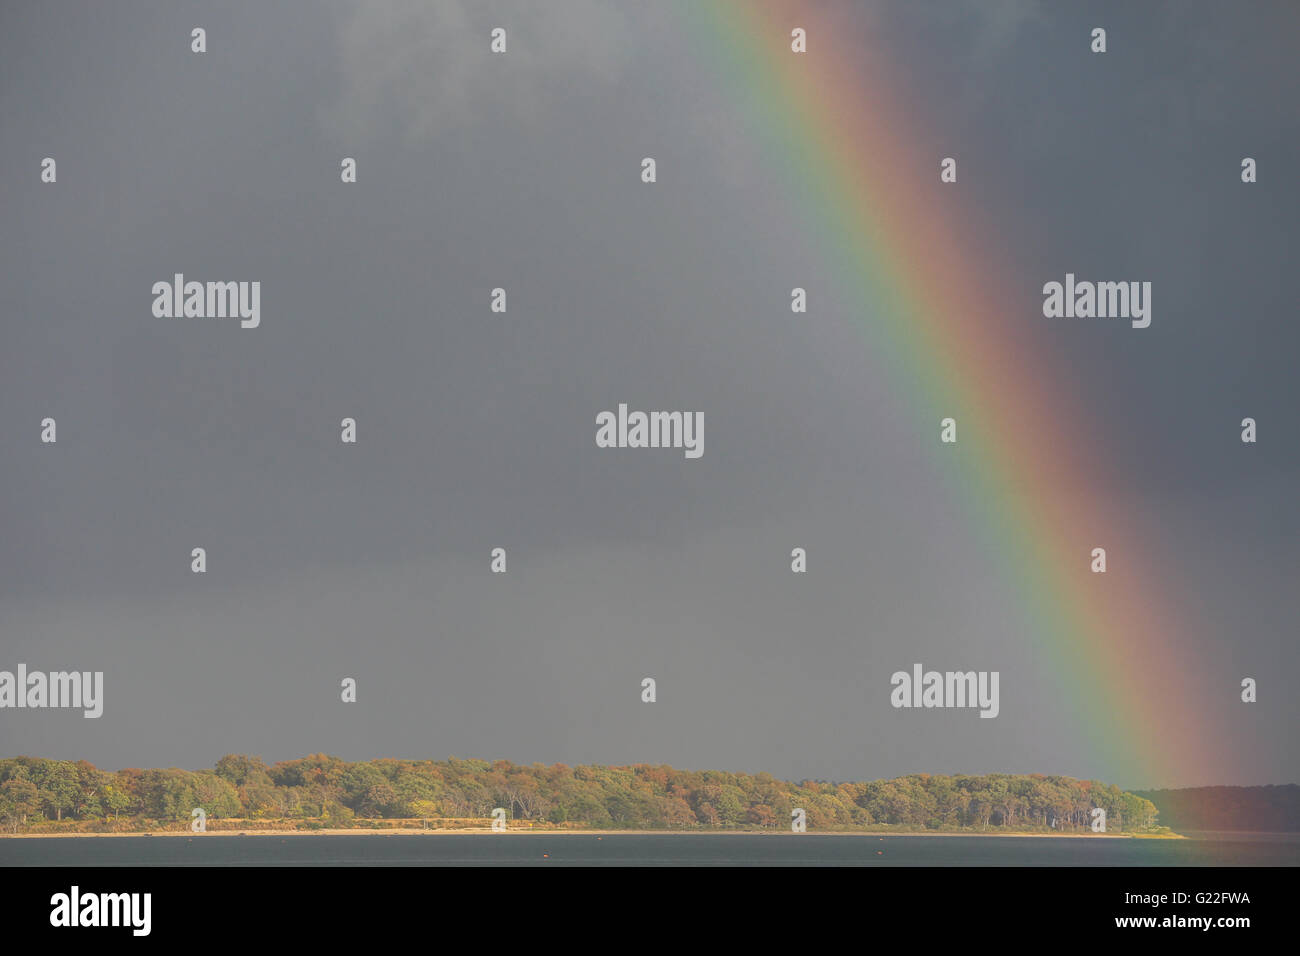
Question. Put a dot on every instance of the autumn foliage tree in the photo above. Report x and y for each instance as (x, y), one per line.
(321, 790)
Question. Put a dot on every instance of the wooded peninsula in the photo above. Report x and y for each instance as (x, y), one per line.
(321, 792)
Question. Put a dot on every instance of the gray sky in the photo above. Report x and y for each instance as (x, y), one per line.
(476, 430)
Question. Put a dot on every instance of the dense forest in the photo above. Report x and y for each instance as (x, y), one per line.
(1270, 809)
(321, 791)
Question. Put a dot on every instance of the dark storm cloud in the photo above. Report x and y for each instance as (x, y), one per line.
(476, 429)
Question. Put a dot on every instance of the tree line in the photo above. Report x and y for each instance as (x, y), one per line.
(323, 790)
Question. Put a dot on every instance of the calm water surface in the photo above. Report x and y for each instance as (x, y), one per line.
(664, 849)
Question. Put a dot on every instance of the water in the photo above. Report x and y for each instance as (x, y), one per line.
(662, 849)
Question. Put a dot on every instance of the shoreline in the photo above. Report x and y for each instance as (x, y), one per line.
(597, 833)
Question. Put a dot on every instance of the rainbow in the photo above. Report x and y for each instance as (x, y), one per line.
(930, 288)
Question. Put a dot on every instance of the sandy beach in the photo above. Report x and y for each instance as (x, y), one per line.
(597, 833)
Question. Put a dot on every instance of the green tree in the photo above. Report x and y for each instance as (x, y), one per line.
(19, 799)
(116, 798)
(59, 785)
